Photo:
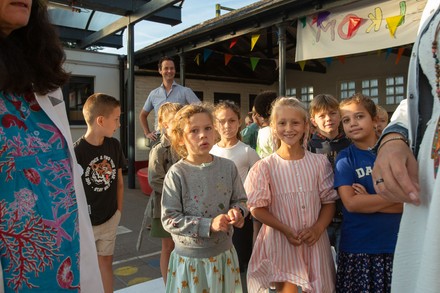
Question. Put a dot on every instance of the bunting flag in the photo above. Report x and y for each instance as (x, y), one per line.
(329, 60)
(227, 58)
(302, 64)
(322, 16)
(254, 40)
(393, 22)
(399, 55)
(388, 53)
(197, 59)
(233, 42)
(353, 25)
(303, 21)
(254, 62)
(341, 59)
(206, 54)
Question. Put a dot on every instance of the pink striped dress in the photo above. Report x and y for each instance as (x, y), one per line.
(293, 191)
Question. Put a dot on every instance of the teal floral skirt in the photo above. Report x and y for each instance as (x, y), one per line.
(217, 274)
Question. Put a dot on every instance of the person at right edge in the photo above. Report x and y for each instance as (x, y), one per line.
(399, 177)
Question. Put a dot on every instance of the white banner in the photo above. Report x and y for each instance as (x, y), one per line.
(358, 27)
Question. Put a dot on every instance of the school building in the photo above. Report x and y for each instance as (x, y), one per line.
(297, 48)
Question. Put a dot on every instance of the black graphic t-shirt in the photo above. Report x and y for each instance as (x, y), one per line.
(100, 177)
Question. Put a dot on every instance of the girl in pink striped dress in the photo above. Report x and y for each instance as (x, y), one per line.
(291, 193)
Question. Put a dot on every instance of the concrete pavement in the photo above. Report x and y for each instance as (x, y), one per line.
(131, 267)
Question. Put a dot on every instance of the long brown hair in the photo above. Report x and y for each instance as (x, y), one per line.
(31, 57)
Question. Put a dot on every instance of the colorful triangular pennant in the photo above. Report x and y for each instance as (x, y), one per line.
(399, 55)
(233, 42)
(206, 54)
(254, 40)
(353, 24)
(197, 59)
(254, 62)
(227, 58)
(393, 22)
(302, 64)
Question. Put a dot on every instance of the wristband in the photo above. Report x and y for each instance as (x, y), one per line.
(390, 139)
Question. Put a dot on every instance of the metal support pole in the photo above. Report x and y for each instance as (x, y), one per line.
(282, 59)
(130, 107)
(182, 68)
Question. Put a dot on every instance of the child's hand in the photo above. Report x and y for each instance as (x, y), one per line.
(310, 235)
(359, 189)
(292, 237)
(236, 218)
(220, 223)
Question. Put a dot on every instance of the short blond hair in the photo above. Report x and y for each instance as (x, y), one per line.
(166, 109)
(381, 111)
(99, 104)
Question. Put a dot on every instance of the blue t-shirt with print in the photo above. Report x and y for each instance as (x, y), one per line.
(363, 233)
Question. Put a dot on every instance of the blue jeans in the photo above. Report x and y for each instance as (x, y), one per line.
(334, 234)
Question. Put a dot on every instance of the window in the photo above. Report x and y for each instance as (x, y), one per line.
(221, 97)
(75, 93)
(307, 95)
(395, 90)
(291, 92)
(199, 95)
(348, 88)
(370, 88)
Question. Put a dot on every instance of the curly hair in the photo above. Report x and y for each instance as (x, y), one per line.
(31, 57)
(181, 120)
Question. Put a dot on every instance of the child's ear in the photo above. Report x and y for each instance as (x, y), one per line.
(312, 120)
(99, 120)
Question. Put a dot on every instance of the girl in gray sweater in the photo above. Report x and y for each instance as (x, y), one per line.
(203, 198)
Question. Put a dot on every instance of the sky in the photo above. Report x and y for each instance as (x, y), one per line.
(193, 12)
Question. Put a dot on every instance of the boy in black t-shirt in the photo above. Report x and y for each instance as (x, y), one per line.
(328, 140)
(102, 160)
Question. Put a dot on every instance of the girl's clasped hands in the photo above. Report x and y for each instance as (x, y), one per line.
(221, 222)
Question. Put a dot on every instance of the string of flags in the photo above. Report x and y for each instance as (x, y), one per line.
(354, 22)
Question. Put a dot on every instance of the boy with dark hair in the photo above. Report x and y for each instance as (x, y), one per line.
(102, 160)
(328, 140)
(262, 106)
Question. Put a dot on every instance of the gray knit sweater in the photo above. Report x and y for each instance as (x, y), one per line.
(195, 194)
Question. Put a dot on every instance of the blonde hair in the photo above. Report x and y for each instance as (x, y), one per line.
(181, 120)
(293, 103)
(381, 111)
(166, 109)
(97, 105)
(234, 108)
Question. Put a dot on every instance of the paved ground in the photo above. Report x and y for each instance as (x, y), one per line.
(130, 266)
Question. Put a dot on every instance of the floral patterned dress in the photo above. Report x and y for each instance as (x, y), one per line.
(39, 236)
